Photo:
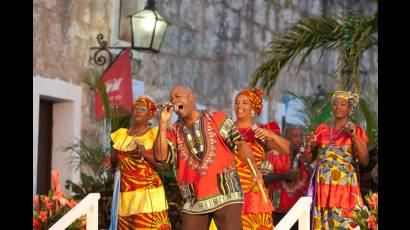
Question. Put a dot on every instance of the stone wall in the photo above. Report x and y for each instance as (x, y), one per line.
(63, 32)
(213, 46)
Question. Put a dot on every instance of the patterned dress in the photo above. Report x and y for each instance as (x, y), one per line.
(256, 213)
(203, 156)
(335, 183)
(141, 197)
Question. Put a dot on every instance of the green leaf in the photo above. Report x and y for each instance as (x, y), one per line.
(300, 39)
(314, 112)
(77, 189)
(86, 179)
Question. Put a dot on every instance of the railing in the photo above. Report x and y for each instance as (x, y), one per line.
(300, 211)
(89, 206)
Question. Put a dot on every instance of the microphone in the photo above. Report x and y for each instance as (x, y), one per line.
(302, 149)
(254, 127)
(351, 132)
(261, 142)
(172, 107)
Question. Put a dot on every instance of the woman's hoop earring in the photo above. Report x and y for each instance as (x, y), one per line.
(252, 114)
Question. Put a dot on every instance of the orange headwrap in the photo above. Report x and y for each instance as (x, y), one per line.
(255, 96)
(150, 104)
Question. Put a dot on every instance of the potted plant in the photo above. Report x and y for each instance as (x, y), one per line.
(48, 209)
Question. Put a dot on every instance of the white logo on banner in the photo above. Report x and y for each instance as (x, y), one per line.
(113, 85)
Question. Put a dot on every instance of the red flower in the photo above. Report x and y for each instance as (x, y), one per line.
(83, 222)
(71, 204)
(48, 209)
(48, 202)
(371, 222)
(36, 223)
(59, 192)
(373, 201)
(43, 216)
(57, 208)
(35, 202)
(54, 178)
(56, 184)
(63, 201)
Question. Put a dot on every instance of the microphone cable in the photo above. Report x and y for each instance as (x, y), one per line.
(162, 177)
(148, 186)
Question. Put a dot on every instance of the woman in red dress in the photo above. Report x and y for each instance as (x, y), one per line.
(334, 185)
(256, 213)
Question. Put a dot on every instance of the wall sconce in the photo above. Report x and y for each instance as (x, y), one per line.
(147, 31)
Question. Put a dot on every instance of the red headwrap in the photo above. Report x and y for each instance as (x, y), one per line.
(150, 104)
(255, 96)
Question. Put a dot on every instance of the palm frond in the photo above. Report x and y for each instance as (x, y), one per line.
(314, 111)
(91, 78)
(300, 39)
(89, 150)
(117, 116)
(359, 34)
(297, 42)
(366, 116)
(120, 117)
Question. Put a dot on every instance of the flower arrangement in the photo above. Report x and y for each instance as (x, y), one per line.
(48, 209)
(365, 215)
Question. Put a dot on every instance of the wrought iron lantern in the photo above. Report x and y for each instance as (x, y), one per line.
(147, 31)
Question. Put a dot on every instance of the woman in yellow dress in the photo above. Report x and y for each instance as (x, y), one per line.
(139, 200)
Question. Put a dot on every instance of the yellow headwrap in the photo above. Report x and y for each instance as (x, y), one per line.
(255, 96)
(352, 98)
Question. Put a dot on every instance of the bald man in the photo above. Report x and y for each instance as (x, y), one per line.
(201, 145)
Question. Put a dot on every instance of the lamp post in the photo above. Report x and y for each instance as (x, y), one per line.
(147, 30)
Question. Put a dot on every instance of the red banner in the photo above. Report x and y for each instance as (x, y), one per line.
(118, 84)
